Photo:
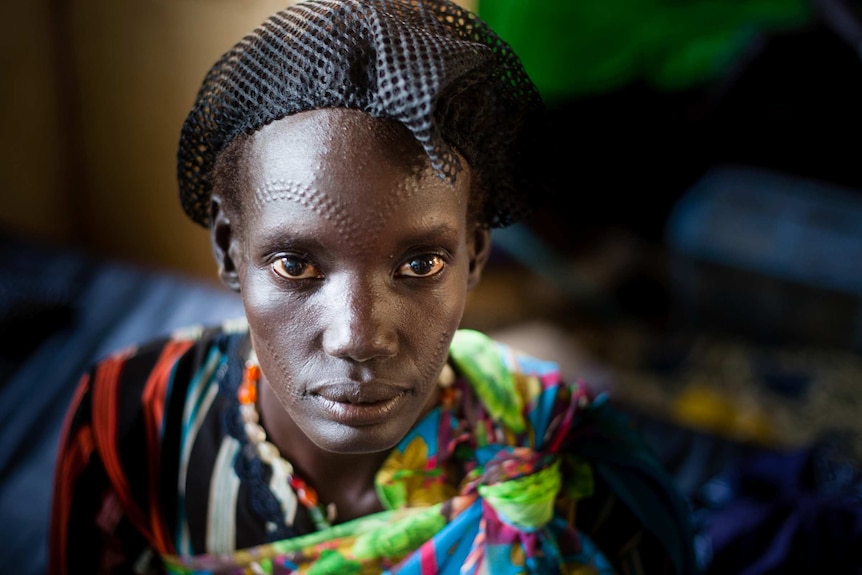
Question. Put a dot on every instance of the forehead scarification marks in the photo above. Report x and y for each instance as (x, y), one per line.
(375, 217)
(308, 196)
(407, 189)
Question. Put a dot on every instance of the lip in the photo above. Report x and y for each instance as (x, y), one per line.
(358, 404)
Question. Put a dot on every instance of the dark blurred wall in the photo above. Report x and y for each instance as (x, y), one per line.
(29, 127)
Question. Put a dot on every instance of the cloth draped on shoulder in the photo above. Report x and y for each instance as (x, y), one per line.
(516, 471)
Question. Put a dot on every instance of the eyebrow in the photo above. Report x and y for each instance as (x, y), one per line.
(433, 235)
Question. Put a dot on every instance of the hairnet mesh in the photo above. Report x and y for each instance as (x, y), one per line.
(430, 64)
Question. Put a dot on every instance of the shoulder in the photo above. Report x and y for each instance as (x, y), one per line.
(528, 396)
(144, 378)
(134, 401)
(135, 364)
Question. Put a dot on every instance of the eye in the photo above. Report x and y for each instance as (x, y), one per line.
(423, 266)
(295, 268)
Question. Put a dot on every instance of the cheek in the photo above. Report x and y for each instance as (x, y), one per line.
(279, 328)
(434, 322)
(275, 362)
(440, 314)
(430, 320)
(270, 310)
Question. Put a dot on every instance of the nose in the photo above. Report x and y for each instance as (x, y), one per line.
(361, 321)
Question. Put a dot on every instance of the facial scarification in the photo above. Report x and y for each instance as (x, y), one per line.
(354, 199)
(346, 218)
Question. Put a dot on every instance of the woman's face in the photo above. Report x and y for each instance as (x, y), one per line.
(353, 261)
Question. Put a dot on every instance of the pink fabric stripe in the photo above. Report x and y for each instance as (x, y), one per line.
(428, 559)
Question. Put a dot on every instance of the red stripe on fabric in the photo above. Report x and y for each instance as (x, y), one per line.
(428, 559)
(72, 457)
(153, 401)
(572, 410)
(105, 426)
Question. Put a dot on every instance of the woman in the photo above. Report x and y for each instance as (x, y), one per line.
(349, 159)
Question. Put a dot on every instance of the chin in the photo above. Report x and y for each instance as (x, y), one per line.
(358, 441)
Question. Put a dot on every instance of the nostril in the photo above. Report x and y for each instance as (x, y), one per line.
(357, 345)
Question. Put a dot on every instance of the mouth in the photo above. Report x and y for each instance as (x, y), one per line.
(357, 404)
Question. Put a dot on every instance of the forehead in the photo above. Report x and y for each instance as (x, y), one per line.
(335, 137)
(344, 166)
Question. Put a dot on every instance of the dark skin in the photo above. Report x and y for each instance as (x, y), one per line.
(354, 261)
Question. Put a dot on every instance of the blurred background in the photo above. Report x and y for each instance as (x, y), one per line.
(701, 261)
(94, 95)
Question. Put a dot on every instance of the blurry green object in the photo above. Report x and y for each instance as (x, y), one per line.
(572, 48)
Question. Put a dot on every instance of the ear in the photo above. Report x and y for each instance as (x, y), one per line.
(222, 237)
(480, 250)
